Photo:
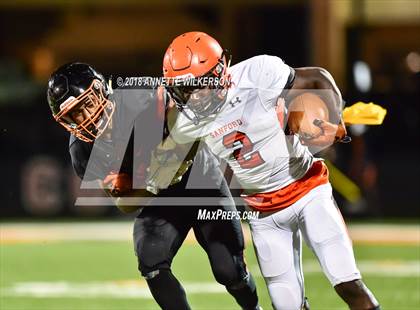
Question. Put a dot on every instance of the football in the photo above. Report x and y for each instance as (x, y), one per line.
(302, 112)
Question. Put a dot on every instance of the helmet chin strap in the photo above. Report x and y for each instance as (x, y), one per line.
(109, 87)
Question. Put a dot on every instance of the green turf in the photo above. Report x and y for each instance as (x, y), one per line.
(79, 262)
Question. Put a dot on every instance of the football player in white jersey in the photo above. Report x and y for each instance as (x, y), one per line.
(237, 117)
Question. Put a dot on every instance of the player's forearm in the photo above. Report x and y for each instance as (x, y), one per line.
(318, 78)
(315, 78)
(326, 81)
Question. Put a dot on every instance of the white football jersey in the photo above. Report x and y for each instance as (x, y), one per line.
(246, 131)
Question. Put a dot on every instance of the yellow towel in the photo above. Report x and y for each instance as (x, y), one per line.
(364, 113)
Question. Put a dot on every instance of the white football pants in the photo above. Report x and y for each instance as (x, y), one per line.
(278, 245)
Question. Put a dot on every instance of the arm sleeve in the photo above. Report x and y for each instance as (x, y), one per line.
(88, 168)
(79, 154)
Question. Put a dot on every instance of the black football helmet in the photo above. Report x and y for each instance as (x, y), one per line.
(79, 87)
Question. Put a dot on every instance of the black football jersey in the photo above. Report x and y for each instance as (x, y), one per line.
(137, 128)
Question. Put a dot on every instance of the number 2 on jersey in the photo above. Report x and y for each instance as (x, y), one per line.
(242, 146)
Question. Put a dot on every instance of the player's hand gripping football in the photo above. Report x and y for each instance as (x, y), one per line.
(117, 184)
(330, 133)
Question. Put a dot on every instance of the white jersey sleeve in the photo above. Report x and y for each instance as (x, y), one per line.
(185, 131)
(273, 78)
(246, 132)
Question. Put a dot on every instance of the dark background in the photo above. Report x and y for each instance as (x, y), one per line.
(130, 38)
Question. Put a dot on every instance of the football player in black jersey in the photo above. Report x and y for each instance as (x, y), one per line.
(104, 147)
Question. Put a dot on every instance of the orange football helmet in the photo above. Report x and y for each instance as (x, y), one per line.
(191, 56)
